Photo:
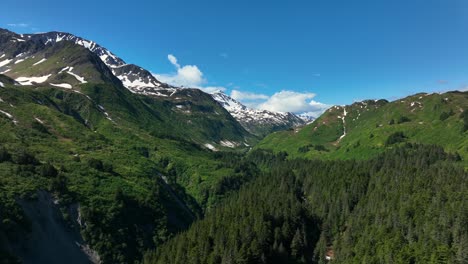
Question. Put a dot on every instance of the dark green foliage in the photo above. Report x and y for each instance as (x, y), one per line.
(412, 206)
(95, 164)
(403, 119)
(100, 166)
(59, 185)
(266, 222)
(394, 138)
(4, 155)
(445, 115)
(23, 157)
(39, 127)
(143, 151)
(317, 147)
(303, 149)
(139, 225)
(320, 147)
(48, 170)
(464, 117)
(406, 206)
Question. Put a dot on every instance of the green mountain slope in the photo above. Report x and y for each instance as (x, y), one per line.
(367, 126)
(115, 154)
(185, 113)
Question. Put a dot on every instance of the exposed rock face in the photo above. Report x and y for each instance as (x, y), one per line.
(52, 239)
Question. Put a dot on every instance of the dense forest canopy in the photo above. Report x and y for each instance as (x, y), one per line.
(405, 206)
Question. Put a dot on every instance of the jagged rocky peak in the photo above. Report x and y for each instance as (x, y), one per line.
(228, 102)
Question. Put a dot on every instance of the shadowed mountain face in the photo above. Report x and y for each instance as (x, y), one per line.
(52, 240)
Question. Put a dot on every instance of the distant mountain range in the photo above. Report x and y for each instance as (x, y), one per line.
(258, 121)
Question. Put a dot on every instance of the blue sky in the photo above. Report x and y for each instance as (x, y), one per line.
(328, 51)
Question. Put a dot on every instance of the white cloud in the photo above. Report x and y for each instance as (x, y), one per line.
(189, 76)
(283, 101)
(173, 60)
(316, 108)
(290, 101)
(18, 25)
(238, 95)
(224, 55)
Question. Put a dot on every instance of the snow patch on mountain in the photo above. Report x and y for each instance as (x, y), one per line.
(69, 71)
(136, 83)
(62, 85)
(39, 62)
(211, 147)
(31, 80)
(344, 123)
(229, 144)
(79, 78)
(39, 120)
(5, 62)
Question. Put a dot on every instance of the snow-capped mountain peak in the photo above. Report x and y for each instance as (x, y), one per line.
(110, 59)
(307, 117)
(254, 120)
(133, 77)
(228, 102)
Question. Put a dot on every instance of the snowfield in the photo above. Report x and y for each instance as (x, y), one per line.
(31, 80)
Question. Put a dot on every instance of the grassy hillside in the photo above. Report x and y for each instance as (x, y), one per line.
(421, 118)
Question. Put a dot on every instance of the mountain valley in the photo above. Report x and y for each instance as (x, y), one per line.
(100, 162)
